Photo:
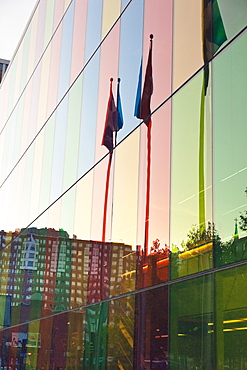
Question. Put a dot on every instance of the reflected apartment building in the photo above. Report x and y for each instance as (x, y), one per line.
(123, 187)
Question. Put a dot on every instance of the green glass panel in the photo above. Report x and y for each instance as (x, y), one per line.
(96, 336)
(120, 333)
(231, 318)
(234, 16)
(191, 315)
(230, 136)
(191, 180)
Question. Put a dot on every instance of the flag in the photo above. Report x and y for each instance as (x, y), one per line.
(120, 122)
(110, 121)
(144, 110)
(138, 94)
(214, 31)
(214, 34)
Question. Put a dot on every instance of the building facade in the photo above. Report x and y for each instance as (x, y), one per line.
(123, 187)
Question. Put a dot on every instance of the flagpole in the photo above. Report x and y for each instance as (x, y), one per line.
(148, 188)
(202, 216)
(201, 179)
(106, 195)
(119, 108)
(108, 142)
(148, 122)
(110, 126)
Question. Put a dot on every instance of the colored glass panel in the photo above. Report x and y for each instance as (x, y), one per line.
(24, 63)
(72, 135)
(108, 69)
(58, 13)
(66, 48)
(80, 278)
(191, 315)
(151, 329)
(54, 70)
(234, 16)
(79, 36)
(40, 30)
(120, 333)
(88, 116)
(83, 207)
(96, 336)
(130, 54)
(191, 180)
(48, 22)
(59, 149)
(230, 318)
(31, 55)
(187, 41)
(230, 201)
(125, 193)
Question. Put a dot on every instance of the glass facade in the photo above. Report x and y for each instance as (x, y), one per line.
(123, 187)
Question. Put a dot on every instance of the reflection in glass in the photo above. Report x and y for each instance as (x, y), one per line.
(191, 223)
(191, 316)
(230, 202)
(44, 271)
(231, 318)
(121, 333)
(151, 329)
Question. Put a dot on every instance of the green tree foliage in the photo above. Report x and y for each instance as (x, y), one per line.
(243, 221)
(243, 218)
(199, 235)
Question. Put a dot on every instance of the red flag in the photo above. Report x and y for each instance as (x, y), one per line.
(110, 121)
(147, 92)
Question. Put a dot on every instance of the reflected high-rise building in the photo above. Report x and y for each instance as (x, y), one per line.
(123, 166)
(59, 272)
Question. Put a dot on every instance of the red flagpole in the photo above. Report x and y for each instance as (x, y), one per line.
(110, 127)
(148, 187)
(106, 196)
(102, 274)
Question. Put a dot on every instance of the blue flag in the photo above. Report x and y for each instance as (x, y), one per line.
(138, 94)
(120, 121)
(142, 106)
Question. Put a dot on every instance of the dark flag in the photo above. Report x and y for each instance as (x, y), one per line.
(142, 109)
(110, 121)
(111, 125)
(214, 34)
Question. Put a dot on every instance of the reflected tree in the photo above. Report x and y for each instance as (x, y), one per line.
(243, 218)
(199, 235)
(157, 249)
